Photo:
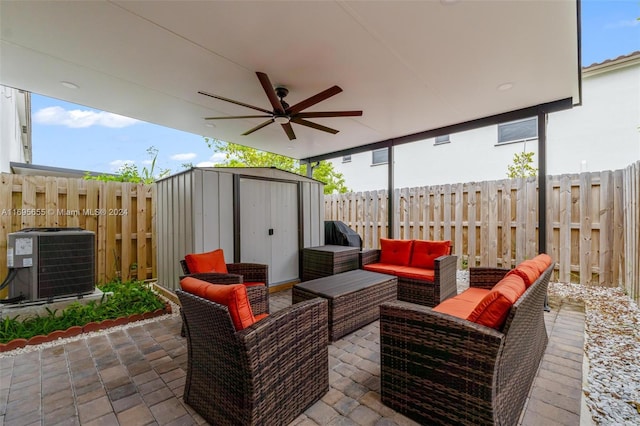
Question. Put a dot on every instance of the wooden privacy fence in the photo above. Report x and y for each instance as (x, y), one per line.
(631, 225)
(592, 222)
(121, 214)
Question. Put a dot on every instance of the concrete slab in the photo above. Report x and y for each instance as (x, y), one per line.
(39, 308)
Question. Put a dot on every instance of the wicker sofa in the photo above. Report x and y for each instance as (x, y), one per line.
(426, 270)
(266, 373)
(437, 368)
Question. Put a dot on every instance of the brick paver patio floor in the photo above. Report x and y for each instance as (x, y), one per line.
(136, 375)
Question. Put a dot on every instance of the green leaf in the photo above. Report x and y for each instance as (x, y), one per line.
(128, 172)
(521, 166)
(243, 156)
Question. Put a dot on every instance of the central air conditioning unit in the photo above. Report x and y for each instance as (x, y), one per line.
(51, 262)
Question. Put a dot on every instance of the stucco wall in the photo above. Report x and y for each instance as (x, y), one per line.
(601, 134)
(14, 111)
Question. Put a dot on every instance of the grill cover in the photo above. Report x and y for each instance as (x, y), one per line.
(337, 233)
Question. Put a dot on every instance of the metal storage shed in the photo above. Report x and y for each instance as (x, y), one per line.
(261, 215)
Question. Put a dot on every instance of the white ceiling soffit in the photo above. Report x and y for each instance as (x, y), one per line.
(409, 66)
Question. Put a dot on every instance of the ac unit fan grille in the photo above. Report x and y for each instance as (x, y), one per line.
(65, 265)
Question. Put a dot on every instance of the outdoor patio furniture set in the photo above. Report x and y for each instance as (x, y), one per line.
(466, 359)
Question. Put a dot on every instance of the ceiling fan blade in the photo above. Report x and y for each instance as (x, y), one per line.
(270, 91)
(289, 131)
(329, 114)
(235, 102)
(236, 116)
(314, 125)
(314, 100)
(258, 127)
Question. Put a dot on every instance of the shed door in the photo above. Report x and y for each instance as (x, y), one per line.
(269, 227)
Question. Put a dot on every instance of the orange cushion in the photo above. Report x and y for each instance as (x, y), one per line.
(252, 284)
(401, 271)
(527, 271)
(424, 253)
(472, 294)
(211, 261)
(261, 317)
(395, 252)
(194, 286)
(542, 261)
(383, 268)
(512, 286)
(233, 296)
(415, 273)
(492, 310)
(494, 306)
(460, 308)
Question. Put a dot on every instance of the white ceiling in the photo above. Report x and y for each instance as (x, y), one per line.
(409, 66)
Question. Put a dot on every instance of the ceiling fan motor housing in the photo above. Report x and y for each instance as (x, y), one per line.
(282, 92)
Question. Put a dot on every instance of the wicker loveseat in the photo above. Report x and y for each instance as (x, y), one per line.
(437, 368)
(426, 270)
(266, 373)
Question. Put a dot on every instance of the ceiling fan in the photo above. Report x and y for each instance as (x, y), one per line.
(284, 114)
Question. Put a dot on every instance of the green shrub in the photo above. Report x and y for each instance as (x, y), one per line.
(128, 298)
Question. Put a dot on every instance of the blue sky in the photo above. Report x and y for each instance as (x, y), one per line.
(102, 142)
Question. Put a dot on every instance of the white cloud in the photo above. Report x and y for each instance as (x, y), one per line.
(183, 157)
(623, 24)
(117, 164)
(216, 158)
(76, 118)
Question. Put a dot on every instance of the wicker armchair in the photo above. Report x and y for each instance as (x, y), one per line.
(258, 295)
(266, 374)
(439, 369)
(239, 273)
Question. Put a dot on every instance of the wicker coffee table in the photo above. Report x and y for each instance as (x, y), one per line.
(354, 298)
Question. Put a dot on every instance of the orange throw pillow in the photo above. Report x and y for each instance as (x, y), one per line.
(542, 261)
(425, 253)
(493, 309)
(527, 271)
(395, 252)
(233, 296)
(211, 261)
(512, 286)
